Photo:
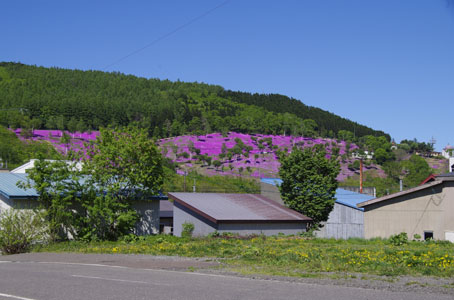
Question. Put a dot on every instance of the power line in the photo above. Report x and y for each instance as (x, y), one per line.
(166, 35)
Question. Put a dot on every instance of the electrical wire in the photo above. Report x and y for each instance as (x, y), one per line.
(166, 35)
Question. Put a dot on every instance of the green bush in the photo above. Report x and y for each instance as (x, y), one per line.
(188, 229)
(399, 239)
(19, 229)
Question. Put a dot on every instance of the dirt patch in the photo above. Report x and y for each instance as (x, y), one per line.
(428, 285)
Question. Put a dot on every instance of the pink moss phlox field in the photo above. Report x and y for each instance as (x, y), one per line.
(76, 143)
(265, 165)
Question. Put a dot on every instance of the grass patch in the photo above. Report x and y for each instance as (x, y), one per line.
(289, 256)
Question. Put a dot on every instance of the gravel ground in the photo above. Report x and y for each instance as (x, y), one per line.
(427, 285)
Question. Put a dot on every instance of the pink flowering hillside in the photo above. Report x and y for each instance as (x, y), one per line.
(256, 155)
(258, 158)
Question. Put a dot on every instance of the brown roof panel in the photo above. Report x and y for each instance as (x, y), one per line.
(237, 207)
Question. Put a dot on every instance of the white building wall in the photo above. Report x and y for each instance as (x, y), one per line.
(4, 204)
(447, 152)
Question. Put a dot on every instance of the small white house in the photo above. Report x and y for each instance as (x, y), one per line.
(365, 155)
(448, 151)
(31, 164)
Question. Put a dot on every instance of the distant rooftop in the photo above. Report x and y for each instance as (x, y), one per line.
(236, 207)
(31, 164)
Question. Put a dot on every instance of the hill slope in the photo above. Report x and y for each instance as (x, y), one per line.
(238, 154)
(78, 100)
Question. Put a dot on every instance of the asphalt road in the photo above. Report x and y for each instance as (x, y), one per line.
(41, 280)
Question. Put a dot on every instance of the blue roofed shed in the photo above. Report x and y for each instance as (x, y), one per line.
(13, 196)
(345, 221)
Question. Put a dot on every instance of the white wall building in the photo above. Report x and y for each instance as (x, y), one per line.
(31, 164)
(448, 151)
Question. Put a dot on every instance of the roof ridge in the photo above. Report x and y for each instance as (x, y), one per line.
(401, 193)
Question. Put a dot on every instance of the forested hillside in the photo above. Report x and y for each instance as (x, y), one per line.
(283, 104)
(52, 98)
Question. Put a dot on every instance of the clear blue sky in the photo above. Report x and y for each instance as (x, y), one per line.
(388, 64)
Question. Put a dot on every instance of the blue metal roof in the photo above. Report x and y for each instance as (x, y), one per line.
(9, 188)
(343, 197)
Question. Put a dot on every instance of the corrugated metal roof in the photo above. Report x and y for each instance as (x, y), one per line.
(350, 198)
(237, 207)
(344, 197)
(9, 188)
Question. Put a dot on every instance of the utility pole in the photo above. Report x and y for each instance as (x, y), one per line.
(360, 175)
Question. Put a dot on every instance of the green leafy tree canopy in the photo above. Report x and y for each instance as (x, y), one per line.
(95, 202)
(309, 182)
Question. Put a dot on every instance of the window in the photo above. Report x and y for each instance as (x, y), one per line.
(428, 235)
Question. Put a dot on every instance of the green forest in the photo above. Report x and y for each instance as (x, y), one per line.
(53, 98)
(14, 152)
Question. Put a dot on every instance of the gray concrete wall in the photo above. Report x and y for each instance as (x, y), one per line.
(343, 222)
(263, 228)
(149, 217)
(182, 215)
(431, 209)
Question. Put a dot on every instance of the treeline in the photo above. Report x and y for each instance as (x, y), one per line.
(14, 152)
(53, 98)
(329, 123)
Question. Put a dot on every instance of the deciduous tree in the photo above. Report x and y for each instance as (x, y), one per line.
(309, 182)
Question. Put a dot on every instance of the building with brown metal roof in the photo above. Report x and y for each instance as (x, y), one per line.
(243, 214)
(426, 210)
